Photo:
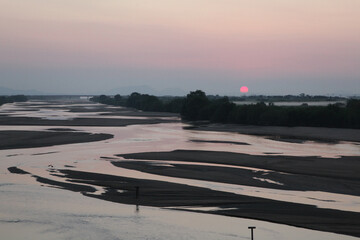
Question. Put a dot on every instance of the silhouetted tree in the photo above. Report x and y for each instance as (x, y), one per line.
(353, 113)
(221, 110)
(175, 105)
(193, 104)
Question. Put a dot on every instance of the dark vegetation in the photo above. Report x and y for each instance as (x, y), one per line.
(144, 102)
(196, 106)
(11, 99)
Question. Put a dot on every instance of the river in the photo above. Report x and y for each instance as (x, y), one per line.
(30, 210)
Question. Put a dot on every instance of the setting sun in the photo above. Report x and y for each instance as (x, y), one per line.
(244, 89)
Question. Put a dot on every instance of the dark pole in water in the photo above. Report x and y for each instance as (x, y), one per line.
(136, 192)
(252, 232)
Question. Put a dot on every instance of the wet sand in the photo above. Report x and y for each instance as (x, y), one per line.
(294, 173)
(103, 122)
(28, 139)
(213, 141)
(290, 134)
(247, 177)
(137, 113)
(346, 167)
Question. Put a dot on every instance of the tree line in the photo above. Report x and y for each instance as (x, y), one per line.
(197, 106)
(11, 99)
(144, 102)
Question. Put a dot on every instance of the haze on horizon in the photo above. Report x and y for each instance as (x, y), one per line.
(273, 47)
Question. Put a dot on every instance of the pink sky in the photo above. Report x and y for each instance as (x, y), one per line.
(254, 38)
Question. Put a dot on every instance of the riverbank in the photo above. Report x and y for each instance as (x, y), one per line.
(197, 106)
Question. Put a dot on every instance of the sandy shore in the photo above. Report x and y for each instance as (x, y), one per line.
(28, 139)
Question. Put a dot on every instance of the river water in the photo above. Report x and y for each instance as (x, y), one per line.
(28, 208)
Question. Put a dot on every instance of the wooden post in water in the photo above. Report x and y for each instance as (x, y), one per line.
(137, 192)
(252, 232)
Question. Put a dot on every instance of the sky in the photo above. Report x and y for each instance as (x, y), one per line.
(92, 46)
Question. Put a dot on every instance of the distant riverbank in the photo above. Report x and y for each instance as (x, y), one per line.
(197, 106)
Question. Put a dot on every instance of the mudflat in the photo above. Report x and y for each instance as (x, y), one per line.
(346, 167)
(247, 177)
(28, 139)
(286, 172)
(287, 133)
(108, 122)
